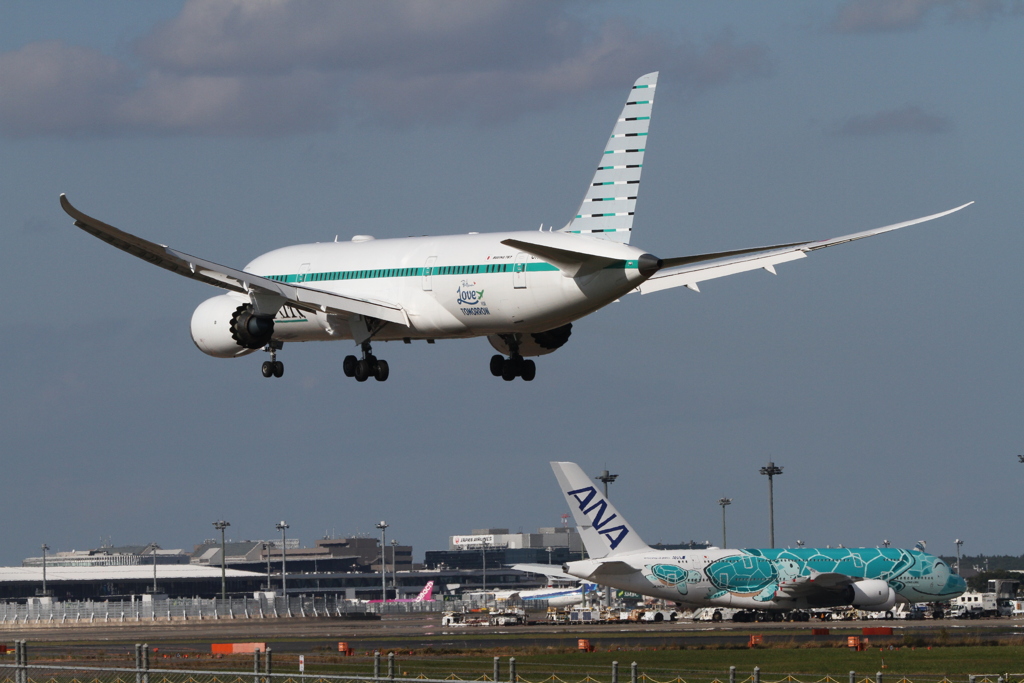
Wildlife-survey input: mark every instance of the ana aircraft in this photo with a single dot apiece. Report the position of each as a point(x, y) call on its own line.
point(554, 596)
point(872, 579)
point(520, 290)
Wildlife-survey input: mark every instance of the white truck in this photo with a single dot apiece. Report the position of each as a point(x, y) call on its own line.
point(973, 605)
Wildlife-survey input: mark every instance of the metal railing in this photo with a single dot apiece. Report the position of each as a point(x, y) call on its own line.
point(177, 609)
point(197, 609)
point(389, 670)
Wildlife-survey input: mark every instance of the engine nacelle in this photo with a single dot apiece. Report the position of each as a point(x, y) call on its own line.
point(535, 343)
point(872, 594)
point(226, 327)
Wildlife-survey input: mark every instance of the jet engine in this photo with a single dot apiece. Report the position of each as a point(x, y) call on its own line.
point(535, 343)
point(871, 594)
point(227, 327)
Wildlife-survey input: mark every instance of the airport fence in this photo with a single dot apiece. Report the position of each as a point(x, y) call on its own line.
point(177, 609)
point(258, 667)
point(503, 671)
point(198, 609)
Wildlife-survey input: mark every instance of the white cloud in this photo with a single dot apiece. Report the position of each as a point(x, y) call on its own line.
point(275, 67)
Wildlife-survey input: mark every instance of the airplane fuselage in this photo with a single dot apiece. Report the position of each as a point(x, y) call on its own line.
point(450, 286)
point(756, 579)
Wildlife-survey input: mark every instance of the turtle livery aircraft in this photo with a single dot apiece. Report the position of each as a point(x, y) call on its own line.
point(871, 579)
point(521, 290)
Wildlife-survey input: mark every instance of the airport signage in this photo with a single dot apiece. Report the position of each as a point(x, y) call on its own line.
point(473, 541)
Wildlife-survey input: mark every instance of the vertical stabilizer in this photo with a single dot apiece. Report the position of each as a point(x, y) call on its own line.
point(607, 209)
point(602, 528)
point(427, 593)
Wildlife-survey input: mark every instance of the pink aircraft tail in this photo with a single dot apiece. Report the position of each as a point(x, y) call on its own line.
point(426, 593)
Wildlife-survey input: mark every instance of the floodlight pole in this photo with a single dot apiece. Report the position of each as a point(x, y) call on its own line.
point(220, 526)
point(394, 566)
point(607, 478)
point(958, 544)
point(45, 548)
point(382, 525)
point(723, 502)
point(771, 470)
point(282, 526)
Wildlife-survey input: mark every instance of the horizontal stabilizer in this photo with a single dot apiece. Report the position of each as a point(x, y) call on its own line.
point(573, 255)
point(552, 570)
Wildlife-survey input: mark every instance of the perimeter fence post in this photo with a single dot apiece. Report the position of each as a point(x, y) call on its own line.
point(20, 660)
point(145, 663)
point(24, 661)
point(757, 674)
point(391, 666)
point(615, 671)
point(376, 665)
point(497, 668)
point(512, 678)
point(853, 677)
point(138, 662)
point(632, 673)
point(878, 677)
point(255, 666)
point(732, 674)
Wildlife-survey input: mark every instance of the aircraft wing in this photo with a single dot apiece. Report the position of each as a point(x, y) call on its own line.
point(211, 273)
point(687, 271)
point(818, 582)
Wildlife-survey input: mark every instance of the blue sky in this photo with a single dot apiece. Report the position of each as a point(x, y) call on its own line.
point(883, 375)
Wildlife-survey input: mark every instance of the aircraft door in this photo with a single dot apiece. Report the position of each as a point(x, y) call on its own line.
point(519, 271)
point(428, 270)
point(303, 272)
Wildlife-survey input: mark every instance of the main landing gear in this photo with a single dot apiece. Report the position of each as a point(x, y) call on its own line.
point(513, 366)
point(369, 366)
point(273, 367)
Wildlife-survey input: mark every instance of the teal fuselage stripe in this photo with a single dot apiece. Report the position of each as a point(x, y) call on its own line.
point(378, 273)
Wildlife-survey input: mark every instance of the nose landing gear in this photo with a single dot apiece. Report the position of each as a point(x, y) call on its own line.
point(273, 367)
point(368, 366)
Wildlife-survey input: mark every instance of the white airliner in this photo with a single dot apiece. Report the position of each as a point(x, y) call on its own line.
point(872, 579)
point(553, 596)
point(521, 290)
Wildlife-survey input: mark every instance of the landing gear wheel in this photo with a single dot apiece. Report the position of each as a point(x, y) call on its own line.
point(529, 371)
point(349, 366)
point(497, 365)
point(362, 372)
point(382, 371)
point(278, 369)
point(508, 370)
point(268, 368)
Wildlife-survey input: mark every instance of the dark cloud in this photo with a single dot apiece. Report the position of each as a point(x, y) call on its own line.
point(868, 16)
point(274, 68)
point(908, 119)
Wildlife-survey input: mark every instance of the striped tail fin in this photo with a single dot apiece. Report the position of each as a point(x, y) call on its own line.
point(607, 209)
